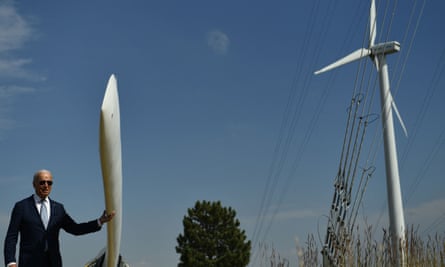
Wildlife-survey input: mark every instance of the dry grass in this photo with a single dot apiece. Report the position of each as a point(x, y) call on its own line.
point(271, 258)
point(363, 250)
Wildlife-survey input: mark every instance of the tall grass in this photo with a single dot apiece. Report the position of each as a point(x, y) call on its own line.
point(363, 250)
point(271, 258)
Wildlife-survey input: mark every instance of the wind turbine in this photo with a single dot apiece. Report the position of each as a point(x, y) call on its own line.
point(377, 53)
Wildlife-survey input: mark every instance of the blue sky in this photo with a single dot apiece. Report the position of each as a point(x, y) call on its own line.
point(205, 89)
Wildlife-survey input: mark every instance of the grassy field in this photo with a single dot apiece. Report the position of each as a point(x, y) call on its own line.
point(363, 250)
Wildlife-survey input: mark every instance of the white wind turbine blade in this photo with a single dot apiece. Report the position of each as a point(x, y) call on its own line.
point(375, 59)
point(356, 55)
point(393, 104)
point(111, 165)
point(372, 24)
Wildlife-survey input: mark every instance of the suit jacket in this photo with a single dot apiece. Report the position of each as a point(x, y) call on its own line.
point(25, 220)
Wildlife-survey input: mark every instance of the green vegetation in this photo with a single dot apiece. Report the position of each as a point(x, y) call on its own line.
point(212, 238)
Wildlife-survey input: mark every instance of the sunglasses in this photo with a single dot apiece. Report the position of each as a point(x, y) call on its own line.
point(49, 183)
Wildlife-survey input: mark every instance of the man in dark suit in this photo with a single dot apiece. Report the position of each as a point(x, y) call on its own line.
point(38, 220)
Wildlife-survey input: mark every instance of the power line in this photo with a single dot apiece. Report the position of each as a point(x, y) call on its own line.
point(286, 134)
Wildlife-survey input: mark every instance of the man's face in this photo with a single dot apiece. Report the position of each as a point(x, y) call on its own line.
point(42, 184)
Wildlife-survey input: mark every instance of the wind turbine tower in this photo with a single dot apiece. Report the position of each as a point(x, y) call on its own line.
point(377, 53)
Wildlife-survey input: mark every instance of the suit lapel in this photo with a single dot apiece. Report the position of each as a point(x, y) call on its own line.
point(53, 212)
point(32, 203)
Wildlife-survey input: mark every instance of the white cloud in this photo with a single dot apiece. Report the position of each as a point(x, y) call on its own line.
point(14, 68)
point(10, 91)
point(429, 215)
point(218, 41)
point(284, 215)
point(297, 214)
point(14, 30)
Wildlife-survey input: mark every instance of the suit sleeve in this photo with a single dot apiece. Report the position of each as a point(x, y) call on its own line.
point(74, 228)
point(10, 245)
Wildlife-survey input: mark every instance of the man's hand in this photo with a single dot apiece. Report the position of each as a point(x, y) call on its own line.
point(106, 217)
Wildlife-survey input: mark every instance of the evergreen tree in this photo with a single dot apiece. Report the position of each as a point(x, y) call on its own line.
point(212, 238)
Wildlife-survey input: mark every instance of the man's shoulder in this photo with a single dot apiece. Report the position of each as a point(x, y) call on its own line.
point(31, 200)
point(55, 203)
point(24, 203)
point(57, 207)
point(25, 200)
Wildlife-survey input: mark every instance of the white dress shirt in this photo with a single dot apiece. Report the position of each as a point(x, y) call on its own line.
point(39, 202)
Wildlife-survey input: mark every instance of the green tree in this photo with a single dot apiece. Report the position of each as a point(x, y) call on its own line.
point(212, 238)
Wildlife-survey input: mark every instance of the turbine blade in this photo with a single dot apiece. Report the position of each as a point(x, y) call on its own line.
point(393, 104)
point(375, 59)
point(356, 55)
point(372, 24)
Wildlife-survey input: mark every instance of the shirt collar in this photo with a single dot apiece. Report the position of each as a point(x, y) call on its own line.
point(37, 199)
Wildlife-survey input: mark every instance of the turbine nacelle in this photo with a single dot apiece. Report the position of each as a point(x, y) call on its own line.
point(385, 48)
point(373, 51)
